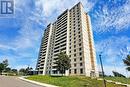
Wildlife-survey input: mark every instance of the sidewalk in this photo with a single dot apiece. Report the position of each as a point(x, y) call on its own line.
point(110, 81)
point(38, 83)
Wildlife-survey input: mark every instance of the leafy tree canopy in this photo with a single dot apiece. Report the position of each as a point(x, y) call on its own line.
point(63, 62)
point(127, 62)
point(1, 67)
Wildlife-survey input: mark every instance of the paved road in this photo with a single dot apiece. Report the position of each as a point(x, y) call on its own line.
point(7, 81)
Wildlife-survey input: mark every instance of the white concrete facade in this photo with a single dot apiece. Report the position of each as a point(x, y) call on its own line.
point(72, 34)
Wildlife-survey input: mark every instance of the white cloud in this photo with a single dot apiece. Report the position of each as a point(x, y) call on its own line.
point(112, 16)
point(28, 37)
point(6, 47)
point(24, 46)
point(47, 10)
point(117, 16)
point(30, 31)
point(52, 8)
point(21, 66)
point(31, 63)
point(114, 49)
point(121, 69)
point(113, 42)
point(108, 15)
point(11, 59)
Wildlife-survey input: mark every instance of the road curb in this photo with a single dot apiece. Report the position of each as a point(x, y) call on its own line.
point(38, 83)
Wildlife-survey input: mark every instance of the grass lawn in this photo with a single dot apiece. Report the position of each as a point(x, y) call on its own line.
point(119, 79)
point(71, 81)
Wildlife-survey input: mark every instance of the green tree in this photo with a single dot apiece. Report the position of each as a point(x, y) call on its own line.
point(5, 62)
point(117, 74)
point(1, 67)
point(14, 71)
point(63, 62)
point(127, 62)
point(22, 71)
point(28, 69)
point(8, 69)
point(25, 71)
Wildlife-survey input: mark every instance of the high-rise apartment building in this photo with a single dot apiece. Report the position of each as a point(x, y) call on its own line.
point(71, 33)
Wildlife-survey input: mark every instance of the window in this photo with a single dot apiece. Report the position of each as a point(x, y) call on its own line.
point(75, 71)
point(81, 64)
point(70, 71)
point(69, 55)
point(70, 47)
point(80, 44)
point(81, 71)
point(74, 41)
point(80, 54)
point(74, 46)
point(74, 64)
point(73, 15)
point(70, 51)
point(74, 50)
point(49, 72)
point(79, 40)
point(79, 49)
point(74, 60)
point(79, 36)
point(74, 55)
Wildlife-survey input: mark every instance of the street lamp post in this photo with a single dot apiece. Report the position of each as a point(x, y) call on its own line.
point(102, 70)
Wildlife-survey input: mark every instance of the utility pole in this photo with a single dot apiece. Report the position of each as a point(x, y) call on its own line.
point(102, 70)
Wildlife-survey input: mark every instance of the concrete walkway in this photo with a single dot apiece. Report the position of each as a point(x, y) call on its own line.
point(38, 83)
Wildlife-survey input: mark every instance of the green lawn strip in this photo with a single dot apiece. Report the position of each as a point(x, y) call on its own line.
point(70, 81)
point(119, 79)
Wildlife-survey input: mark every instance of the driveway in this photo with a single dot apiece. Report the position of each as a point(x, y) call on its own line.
point(10, 81)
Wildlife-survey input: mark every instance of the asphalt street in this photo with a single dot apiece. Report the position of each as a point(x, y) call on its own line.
point(10, 81)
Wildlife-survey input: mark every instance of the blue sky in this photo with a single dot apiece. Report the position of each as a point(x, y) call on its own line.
point(20, 36)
